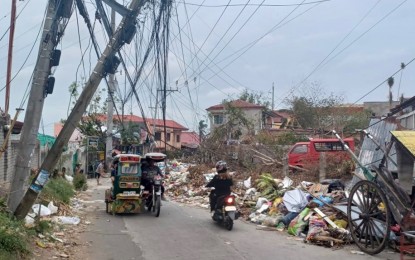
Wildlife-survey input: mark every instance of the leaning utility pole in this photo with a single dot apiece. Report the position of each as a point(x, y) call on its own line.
point(110, 106)
point(107, 63)
point(42, 84)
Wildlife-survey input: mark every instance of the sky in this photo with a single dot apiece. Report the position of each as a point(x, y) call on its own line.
point(218, 48)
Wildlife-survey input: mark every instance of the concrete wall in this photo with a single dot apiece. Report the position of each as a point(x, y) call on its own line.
point(7, 160)
point(379, 108)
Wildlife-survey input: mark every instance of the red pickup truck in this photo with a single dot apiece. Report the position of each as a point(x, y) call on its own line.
point(308, 153)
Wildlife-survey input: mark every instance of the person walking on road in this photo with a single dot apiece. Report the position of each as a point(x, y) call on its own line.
point(99, 171)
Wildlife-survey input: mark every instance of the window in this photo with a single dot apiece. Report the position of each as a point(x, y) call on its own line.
point(329, 146)
point(168, 137)
point(177, 138)
point(300, 149)
point(157, 136)
point(218, 119)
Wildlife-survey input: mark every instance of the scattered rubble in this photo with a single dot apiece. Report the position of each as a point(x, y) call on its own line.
point(304, 211)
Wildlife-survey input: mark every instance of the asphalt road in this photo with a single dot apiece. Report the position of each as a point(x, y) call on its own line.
point(187, 233)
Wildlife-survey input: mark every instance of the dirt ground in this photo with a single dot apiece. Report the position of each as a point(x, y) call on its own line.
point(65, 242)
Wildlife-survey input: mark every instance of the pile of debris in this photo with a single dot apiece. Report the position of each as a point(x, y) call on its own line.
point(305, 211)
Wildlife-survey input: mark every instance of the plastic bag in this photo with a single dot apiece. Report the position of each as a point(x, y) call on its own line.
point(272, 221)
point(44, 211)
point(298, 224)
point(53, 208)
point(260, 202)
point(67, 220)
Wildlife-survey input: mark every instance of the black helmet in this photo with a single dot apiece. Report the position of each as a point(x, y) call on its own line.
point(221, 167)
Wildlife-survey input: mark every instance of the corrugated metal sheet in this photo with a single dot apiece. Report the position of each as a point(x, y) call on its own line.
point(407, 139)
point(369, 155)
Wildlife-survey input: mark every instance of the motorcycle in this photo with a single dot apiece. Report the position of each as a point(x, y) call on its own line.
point(152, 197)
point(225, 212)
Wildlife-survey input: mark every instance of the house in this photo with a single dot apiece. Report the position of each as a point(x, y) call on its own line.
point(278, 119)
point(407, 115)
point(220, 115)
point(140, 127)
point(190, 140)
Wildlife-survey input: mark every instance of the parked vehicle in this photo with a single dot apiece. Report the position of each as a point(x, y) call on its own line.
point(303, 154)
point(225, 212)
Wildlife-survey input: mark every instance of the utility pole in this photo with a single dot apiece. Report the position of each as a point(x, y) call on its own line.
point(10, 56)
point(42, 84)
point(273, 96)
point(107, 63)
point(110, 106)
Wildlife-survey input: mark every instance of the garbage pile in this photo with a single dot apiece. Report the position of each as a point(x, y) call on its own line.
point(305, 211)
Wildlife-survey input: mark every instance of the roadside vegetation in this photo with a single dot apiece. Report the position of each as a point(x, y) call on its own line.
point(14, 237)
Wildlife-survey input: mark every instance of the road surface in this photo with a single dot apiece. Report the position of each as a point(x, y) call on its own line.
point(187, 233)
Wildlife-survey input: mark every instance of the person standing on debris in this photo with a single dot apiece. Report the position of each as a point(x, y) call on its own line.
point(148, 171)
point(222, 183)
point(99, 171)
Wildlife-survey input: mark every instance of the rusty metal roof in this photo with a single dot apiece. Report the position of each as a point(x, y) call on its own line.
point(369, 154)
point(407, 139)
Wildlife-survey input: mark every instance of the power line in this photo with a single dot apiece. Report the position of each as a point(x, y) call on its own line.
point(266, 5)
point(15, 19)
point(383, 82)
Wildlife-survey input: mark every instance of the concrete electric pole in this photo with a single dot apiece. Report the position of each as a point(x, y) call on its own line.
point(42, 84)
point(106, 64)
point(110, 106)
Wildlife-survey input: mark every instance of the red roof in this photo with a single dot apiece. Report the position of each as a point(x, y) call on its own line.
point(189, 138)
point(136, 119)
point(236, 103)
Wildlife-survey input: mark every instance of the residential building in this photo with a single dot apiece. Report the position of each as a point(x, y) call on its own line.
point(218, 115)
point(140, 125)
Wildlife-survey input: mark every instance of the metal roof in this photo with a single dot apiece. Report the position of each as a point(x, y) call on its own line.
point(369, 154)
point(407, 139)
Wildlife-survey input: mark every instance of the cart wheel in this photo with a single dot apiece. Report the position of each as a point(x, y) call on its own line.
point(369, 217)
point(158, 205)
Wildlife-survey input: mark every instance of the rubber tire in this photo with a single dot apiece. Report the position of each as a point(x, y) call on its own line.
point(228, 223)
point(158, 206)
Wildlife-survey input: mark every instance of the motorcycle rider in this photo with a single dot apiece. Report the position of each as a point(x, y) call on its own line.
point(148, 171)
point(222, 183)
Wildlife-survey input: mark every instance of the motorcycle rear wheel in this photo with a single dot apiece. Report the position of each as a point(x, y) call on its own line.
point(228, 223)
point(158, 206)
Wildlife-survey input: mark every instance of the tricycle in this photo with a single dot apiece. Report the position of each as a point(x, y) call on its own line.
point(127, 194)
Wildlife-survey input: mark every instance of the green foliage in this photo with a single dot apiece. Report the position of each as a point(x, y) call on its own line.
point(79, 182)
point(58, 190)
point(268, 187)
point(43, 227)
point(254, 98)
point(290, 138)
point(13, 238)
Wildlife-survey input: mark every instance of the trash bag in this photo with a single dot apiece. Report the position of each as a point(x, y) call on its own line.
point(321, 200)
point(272, 221)
point(44, 211)
point(53, 208)
point(295, 200)
point(260, 202)
point(298, 224)
point(335, 185)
